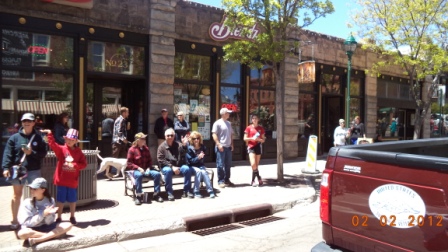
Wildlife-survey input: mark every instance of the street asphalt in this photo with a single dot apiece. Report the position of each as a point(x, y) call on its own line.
point(114, 217)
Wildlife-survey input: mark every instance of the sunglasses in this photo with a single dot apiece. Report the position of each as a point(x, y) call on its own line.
point(195, 138)
point(27, 121)
point(169, 135)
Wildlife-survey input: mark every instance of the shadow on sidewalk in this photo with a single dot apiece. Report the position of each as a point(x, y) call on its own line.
point(97, 205)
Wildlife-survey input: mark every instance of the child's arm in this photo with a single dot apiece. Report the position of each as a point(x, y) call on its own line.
point(52, 143)
point(26, 216)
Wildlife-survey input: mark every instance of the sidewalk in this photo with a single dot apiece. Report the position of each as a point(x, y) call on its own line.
point(114, 217)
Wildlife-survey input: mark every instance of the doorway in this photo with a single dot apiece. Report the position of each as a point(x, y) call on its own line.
point(331, 113)
point(104, 98)
point(405, 124)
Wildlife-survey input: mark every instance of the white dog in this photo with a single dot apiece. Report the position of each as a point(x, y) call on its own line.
point(106, 163)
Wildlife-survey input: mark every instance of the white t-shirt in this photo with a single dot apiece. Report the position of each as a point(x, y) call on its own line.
point(223, 129)
point(340, 135)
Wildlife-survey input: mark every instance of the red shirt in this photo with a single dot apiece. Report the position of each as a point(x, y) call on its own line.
point(139, 158)
point(251, 131)
point(65, 175)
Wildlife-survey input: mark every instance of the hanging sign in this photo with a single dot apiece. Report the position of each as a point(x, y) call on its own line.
point(306, 72)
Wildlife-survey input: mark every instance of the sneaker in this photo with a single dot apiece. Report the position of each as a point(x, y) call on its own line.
point(190, 195)
point(222, 185)
point(253, 183)
point(73, 221)
point(14, 226)
point(198, 195)
point(137, 201)
point(31, 241)
point(170, 197)
point(260, 181)
point(58, 220)
point(184, 195)
point(212, 195)
point(157, 198)
point(229, 183)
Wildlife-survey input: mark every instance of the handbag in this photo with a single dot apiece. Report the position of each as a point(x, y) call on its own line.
point(19, 171)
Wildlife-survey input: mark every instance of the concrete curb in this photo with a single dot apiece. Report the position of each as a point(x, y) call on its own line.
point(116, 233)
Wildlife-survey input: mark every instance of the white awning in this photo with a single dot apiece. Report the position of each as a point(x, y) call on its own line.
point(7, 104)
point(43, 107)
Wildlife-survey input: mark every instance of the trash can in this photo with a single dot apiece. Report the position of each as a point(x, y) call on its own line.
point(87, 177)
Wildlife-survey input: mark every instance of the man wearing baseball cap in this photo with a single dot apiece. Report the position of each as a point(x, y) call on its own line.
point(27, 148)
point(341, 133)
point(222, 135)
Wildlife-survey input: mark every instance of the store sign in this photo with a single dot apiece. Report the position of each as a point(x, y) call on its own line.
point(221, 32)
point(85, 4)
point(38, 50)
point(15, 52)
point(230, 106)
point(306, 72)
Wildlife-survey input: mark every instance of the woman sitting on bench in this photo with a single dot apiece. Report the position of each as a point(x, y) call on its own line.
point(195, 158)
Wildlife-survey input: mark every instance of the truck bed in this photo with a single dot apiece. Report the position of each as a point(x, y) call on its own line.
point(388, 196)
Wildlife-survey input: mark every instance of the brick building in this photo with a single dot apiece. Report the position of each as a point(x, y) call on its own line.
point(93, 56)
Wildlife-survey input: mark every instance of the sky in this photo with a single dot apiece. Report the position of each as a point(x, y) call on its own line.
point(334, 24)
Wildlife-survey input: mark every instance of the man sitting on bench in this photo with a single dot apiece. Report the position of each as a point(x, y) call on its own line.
point(171, 158)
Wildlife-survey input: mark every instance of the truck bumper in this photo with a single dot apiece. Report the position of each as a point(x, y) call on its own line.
point(323, 247)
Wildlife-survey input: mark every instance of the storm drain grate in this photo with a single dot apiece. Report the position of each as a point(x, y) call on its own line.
point(218, 229)
point(261, 220)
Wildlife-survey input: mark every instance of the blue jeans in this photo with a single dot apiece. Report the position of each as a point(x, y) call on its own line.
point(201, 175)
point(168, 173)
point(138, 176)
point(223, 164)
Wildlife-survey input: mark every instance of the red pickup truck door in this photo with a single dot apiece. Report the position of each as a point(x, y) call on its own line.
point(379, 206)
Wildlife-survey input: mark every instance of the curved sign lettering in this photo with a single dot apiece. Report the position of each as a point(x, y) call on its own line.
point(221, 32)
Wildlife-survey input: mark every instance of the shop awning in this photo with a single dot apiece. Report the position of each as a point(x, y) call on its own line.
point(42, 107)
point(7, 104)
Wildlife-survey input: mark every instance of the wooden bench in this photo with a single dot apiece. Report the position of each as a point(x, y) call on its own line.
point(129, 184)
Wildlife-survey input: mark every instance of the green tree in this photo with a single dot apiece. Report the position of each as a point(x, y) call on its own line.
point(278, 20)
point(411, 34)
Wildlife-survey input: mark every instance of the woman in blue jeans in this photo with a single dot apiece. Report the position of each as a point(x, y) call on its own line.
point(195, 158)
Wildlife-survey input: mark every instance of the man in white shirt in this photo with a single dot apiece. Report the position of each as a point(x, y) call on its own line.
point(222, 135)
point(341, 133)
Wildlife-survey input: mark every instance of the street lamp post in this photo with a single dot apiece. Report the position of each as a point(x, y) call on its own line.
point(350, 47)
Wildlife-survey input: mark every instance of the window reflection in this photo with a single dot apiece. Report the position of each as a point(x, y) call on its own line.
point(262, 97)
point(331, 84)
point(306, 111)
point(230, 72)
point(192, 67)
point(231, 99)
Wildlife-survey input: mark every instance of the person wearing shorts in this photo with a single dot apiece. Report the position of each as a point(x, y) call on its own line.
point(71, 161)
point(26, 144)
point(254, 135)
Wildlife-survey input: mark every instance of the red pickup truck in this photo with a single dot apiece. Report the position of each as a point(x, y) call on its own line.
point(389, 196)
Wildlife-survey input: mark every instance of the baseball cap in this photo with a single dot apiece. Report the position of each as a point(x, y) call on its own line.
point(139, 135)
point(38, 183)
point(27, 116)
point(164, 110)
point(72, 134)
point(180, 113)
point(225, 110)
point(341, 121)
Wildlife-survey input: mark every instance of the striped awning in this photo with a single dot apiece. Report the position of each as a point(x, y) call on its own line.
point(7, 104)
point(43, 107)
point(111, 108)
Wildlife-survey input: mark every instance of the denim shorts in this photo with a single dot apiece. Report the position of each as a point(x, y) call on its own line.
point(66, 194)
point(32, 175)
point(45, 228)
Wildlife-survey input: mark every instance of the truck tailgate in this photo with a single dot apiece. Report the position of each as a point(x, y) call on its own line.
point(385, 207)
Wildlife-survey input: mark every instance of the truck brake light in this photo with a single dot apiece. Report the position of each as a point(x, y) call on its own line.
point(325, 186)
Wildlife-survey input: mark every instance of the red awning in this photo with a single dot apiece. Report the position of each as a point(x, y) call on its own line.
point(43, 107)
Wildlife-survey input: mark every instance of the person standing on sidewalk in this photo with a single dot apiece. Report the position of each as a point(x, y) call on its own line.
point(26, 147)
point(37, 215)
point(341, 133)
point(181, 127)
point(120, 134)
point(358, 130)
point(171, 158)
point(195, 158)
point(162, 123)
point(254, 135)
point(71, 161)
point(223, 136)
point(139, 159)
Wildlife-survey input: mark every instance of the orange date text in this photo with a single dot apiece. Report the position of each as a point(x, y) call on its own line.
point(391, 220)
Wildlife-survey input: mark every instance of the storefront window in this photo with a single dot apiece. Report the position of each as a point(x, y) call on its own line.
point(47, 95)
point(262, 98)
point(306, 112)
point(27, 49)
point(231, 72)
point(115, 58)
point(331, 84)
point(192, 67)
point(231, 99)
point(194, 101)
